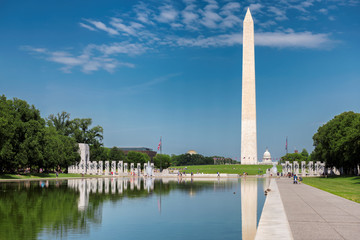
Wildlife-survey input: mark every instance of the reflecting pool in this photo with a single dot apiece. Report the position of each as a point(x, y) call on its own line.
point(131, 208)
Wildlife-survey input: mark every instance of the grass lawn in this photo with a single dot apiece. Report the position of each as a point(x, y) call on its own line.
point(346, 187)
point(39, 175)
point(233, 169)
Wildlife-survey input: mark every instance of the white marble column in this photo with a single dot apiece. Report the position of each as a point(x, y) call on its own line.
point(126, 168)
point(113, 167)
point(145, 165)
point(107, 167)
point(311, 168)
point(132, 168)
point(100, 168)
point(303, 168)
point(296, 167)
point(120, 167)
point(152, 169)
point(138, 169)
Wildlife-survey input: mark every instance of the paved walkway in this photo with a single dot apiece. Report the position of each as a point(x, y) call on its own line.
point(316, 214)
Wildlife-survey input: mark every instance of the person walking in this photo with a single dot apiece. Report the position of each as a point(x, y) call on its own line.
point(295, 179)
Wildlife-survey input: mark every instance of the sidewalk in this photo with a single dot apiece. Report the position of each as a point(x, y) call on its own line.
point(316, 214)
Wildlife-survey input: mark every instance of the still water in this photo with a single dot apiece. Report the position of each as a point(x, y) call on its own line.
point(131, 208)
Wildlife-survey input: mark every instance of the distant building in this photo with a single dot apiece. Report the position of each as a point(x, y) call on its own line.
point(266, 157)
point(191, 152)
point(145, 150)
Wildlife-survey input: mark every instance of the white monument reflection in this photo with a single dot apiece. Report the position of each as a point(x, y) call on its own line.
point(106, 185)
point(249, 188)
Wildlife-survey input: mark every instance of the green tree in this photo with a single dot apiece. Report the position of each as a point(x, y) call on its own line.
point(59, 150)
point(61, 122)
point(191, 159)
point(21, 129)
point(338, 142)
point(305, 153)
point(292, 157)
point(137, 157)
point(79, 129)
point(115, 154)
point(162, 161)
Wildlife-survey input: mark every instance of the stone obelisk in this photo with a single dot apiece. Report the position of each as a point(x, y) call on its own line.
point(248, 108)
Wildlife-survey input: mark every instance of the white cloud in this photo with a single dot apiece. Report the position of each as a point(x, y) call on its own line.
point(323, 11)
point(131, 49)
point(209, 17)
point(287, 39)
point(143, 13)
point(190, 16)
point(292, 39)
point(255, 7)
point(103, 27)
point(167, 14)
point(231, 21)
point(127, 29)
point(205, 42)
point(267, 23)
point(280, 14)
point(93, 57)
point(230, 8)
point(87, 26)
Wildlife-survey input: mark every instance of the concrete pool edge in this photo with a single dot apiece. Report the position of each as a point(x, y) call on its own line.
point(273, 222)
point(196, 176)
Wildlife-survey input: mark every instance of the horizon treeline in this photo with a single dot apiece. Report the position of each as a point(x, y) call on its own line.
point(29, 142)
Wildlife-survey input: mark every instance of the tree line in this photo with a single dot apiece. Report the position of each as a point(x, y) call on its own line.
point(30, 142)
point(296, 157)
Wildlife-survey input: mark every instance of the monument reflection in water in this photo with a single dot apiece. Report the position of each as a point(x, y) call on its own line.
point(133, 208)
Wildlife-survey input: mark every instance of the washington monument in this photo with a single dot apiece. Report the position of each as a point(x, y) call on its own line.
point(248, 108)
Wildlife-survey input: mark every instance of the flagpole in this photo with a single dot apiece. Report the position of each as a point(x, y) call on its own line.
point(160, 157)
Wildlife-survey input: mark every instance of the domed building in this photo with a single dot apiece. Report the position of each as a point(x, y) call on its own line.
point(267, 157)
point(191, 152)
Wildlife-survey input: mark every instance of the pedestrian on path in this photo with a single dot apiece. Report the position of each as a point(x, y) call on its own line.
point(295, 179)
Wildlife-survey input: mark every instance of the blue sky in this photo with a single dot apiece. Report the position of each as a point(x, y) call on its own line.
point(145, 69)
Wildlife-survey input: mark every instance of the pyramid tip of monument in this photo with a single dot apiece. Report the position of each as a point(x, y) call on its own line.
point(248, 16)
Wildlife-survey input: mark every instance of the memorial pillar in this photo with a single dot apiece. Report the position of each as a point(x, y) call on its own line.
point(145, 166)
point(126, 168)
point(138, 169)
point(296, 168)
point(132, 168)
point(303, 168)
point(106, 167)
point(152, 169)
point(100, 168)
point(311, 169)
point(120, 167)
point(113, 167)
point(316, 169)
